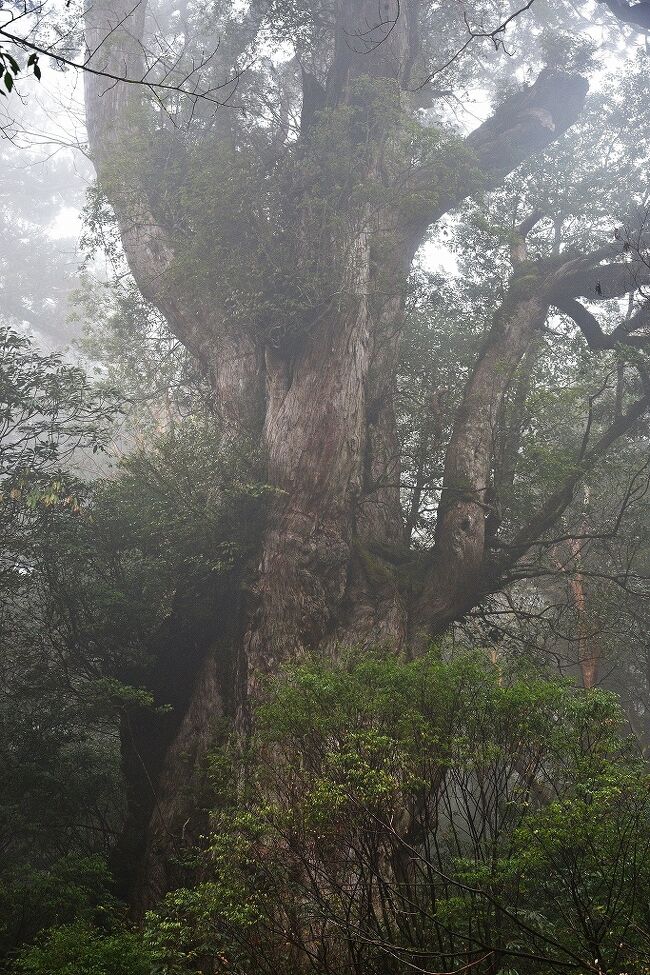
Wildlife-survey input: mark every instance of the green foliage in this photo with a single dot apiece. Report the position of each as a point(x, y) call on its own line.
point(89, 573)
point(10, 69)
point(159, 380)
point(544, 859)
point(567, 50)
point(50, 413)
point(77, 949)
point(60, 796)
point(189, 506)
point(48, 409)
point(73, 888)
point(484, 811)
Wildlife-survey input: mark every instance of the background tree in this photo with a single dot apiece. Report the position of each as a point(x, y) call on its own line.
point(60, 771)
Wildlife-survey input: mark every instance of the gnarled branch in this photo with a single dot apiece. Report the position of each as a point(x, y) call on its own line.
point(593, 333)
point(558, 502)
point(524, 124)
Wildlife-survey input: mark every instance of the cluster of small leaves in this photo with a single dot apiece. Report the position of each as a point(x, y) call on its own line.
point(87, 574)
point(80, 949)
point(189, 504)
point(10, 69)
point(50, 413)
point(73, 887)
point(48, 409)
point(485, 811)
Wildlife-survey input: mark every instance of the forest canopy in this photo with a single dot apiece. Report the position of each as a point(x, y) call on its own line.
point(324, 469)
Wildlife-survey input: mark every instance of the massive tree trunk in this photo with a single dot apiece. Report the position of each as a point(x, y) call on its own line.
point(321, 406)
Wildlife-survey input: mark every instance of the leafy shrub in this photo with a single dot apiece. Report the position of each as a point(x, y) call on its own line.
point(423, 813)
point(72, 888)
point(77, 949)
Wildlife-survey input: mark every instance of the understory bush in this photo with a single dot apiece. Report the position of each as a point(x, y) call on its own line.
point(391, 816)
point(421, 816)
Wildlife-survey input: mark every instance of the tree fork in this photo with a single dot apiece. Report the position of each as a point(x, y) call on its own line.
point(324, 409)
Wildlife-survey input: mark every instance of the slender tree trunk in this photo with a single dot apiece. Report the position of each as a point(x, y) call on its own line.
point(586, 639)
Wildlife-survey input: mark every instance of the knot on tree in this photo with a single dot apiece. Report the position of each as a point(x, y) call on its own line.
point(544, 117)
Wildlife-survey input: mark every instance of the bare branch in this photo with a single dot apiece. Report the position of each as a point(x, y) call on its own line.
point(156, 88)
point(593, 333)
point(557, 503)
point(496, 35)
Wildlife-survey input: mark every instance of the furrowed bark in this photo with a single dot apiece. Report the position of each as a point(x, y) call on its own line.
point(116, 114)
point(329, 429)
point(508, 443)
point(323, 409)
point(371, 39)
point(316, 438)
point(588, 652)
point(453, 580)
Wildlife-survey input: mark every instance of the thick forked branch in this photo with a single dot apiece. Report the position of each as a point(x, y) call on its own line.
point(451, 589)
point(524, 124)
point(593, 333)
point(114, 38)
point(114, 32)
point(460, 532)
point(460, 568)
point(114, 41)
point(586, 278)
